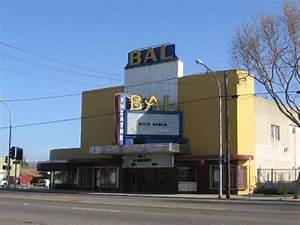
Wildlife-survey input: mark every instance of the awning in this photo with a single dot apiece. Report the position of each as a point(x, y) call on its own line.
point(57, 165)
point(152, 148)
point(211, 157)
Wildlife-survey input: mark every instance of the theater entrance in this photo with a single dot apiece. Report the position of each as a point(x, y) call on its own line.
point(148, 180)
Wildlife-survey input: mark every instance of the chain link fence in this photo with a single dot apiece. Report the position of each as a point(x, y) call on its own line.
point(277, 175)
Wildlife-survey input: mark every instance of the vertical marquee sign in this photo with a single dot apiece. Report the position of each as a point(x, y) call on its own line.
point(121, 104)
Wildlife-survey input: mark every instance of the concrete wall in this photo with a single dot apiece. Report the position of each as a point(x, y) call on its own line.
point(271, 153)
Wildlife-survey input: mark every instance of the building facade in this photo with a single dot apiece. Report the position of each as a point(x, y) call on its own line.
point(14, 170)
point(159, 133)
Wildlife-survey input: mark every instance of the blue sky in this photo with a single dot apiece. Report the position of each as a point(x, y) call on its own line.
point(96, 36)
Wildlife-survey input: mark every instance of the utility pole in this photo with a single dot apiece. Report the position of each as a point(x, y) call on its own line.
point(9, 141)
point(15, 179)
point(227, 151)
point(220, 157)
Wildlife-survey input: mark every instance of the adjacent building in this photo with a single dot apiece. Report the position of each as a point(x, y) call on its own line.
point(159, 133)
point(14, 170)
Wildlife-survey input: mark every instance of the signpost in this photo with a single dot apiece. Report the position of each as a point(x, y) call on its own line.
point(17, 154)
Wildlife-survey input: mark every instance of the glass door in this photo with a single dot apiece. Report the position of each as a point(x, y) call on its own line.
point(97, 179)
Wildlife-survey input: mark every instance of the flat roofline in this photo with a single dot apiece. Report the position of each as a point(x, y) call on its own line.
point(103, 89)
point(151, 46)
point(207, 73)
point(65, 149)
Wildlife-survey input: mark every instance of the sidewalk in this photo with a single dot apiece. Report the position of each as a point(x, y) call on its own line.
point(204, 197)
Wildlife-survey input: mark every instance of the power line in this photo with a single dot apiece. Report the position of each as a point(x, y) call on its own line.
point(97, 115)
point(58, 121)
point(53, 59)
point(82, 82)
point(266, 93)
point(43, 97)
point(99, 90)
point(46, 77)
point(53, 68)
point(112, 113)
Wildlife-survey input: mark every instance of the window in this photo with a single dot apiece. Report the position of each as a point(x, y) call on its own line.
point(85, 176)
point(109, 177)
point(242, 177)
point(186, 174)
point(238, 177)
point(275, 132)
point(65, 177)
point(81, 176)
point(215, 177)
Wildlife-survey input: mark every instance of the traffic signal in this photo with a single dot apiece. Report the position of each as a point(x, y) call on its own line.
point(19, 154)
point(12, 152)
point(6, 159)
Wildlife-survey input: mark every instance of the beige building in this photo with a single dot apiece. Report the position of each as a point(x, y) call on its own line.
point(277, 138)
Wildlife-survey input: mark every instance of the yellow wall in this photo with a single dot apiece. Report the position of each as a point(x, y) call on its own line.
point(245, 115)
point(251, 177)
point(199, 102)
point(246, 126)
point(97, 125)
point(200, 105)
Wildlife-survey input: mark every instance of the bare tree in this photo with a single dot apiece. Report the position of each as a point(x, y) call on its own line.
point(269, 49)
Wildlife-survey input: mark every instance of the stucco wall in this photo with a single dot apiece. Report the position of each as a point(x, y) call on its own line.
point(97, 125)
point(245, 117)
point(198, 99)
point(270, 153)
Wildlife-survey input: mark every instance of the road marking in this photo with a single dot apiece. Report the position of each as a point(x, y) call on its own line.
point(98, 210)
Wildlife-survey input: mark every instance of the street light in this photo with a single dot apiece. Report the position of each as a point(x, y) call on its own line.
point(9, 140)
point(200, 62)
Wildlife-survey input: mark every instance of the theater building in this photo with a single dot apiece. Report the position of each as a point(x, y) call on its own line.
point(159, 133)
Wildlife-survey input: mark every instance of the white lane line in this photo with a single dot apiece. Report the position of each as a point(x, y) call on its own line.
point(98, 210)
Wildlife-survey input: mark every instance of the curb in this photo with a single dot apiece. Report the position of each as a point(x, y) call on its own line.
point(199, 197)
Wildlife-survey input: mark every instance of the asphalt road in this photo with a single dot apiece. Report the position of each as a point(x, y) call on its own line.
point(18, 208)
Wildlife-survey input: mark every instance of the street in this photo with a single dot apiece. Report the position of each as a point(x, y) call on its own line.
point(19, 208)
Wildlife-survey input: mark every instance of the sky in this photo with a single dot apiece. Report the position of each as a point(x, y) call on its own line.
point(63, 47)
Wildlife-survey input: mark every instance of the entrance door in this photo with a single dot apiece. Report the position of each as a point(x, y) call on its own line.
point(147, 180)
point(97, 179)
point(133, 181)
point(164, 181)
point(140, 180)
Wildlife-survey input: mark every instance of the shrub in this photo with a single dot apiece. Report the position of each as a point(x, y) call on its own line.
point(272, 190)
